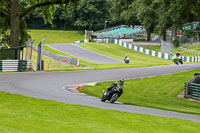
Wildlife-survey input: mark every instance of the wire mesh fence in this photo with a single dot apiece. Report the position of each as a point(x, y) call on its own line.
point(51, 61)
point(166, 47)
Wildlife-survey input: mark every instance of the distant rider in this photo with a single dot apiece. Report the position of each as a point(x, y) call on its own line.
point(174, 59)
point(179, 57)
point(126, 59)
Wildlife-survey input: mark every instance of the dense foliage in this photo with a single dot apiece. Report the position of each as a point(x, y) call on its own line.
point(88, 14)
point(154, 15)
point(12, 13)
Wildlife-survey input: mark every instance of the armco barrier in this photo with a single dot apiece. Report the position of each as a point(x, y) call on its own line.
point(15, 65)
point(9, 65)
point(155, 53)
point(195, 91)
point(25, 65)
point(192, 87)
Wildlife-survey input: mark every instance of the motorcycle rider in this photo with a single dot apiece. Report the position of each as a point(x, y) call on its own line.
point(126, 59)
point(179, 57)
point(174, 59)
point(113, 92)
point(119, 84)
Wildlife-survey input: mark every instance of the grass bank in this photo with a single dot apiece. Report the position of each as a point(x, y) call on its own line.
point(59, 37)
point(23, 114)
point(156, 92)
point(112, 50)
point(56, 36)
point(119, 52)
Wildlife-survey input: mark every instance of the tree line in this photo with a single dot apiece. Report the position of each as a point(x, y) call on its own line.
point(154, 15)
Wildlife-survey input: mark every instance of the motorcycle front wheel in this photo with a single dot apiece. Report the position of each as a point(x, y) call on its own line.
point(114, 97)
point(103, 99)
point(176, 61)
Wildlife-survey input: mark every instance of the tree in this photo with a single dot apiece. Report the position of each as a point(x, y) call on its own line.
point(91, 14)
point(145, 11)
point(12, 15)
point(173, 15)
point(122, 12)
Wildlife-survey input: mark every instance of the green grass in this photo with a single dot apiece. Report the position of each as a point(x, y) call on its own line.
point(136, 59)
point(56, 36)
point(156, 92)
point(82, 63)
point(119, 52)
point(29, 115)
point(49, 63)
point(112, 50)
point(59, 36)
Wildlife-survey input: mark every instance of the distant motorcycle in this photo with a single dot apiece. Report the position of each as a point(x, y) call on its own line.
point(111, 95)
point(177, 60)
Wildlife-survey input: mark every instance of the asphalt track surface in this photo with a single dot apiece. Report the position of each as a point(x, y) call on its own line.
point(54, 86)
point(81, 53)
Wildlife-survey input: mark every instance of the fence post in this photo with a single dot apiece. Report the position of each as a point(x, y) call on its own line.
point(39, 59)
point(187, 90)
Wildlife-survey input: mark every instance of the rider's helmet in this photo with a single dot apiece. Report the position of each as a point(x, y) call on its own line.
point(121, 81)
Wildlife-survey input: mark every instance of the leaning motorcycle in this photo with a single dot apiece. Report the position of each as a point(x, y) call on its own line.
point(111, 95)
point(174, 59)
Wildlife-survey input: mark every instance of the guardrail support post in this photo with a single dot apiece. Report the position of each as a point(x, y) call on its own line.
point(39, 59)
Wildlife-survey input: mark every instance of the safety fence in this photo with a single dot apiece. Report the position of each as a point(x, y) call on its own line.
point(60, 58)
point(15, 65)
point(192, 88)
point(155, 53)
point(189, 50)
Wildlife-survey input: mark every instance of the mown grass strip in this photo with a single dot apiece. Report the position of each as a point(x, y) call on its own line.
point(56, 36)
point(23, 114)
point(156, 92)
point(119, 52)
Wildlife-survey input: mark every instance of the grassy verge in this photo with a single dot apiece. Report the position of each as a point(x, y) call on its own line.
point(23, 114)
point(82, 63)
point(49, 63)
point(112, 50)
point(155, 92)
point(115, 51)
point(56, 36)
point(119, 52)
point(59, 36)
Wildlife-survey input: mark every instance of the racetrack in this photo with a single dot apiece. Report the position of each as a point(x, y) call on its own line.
point(84, 54)
point(52, 86)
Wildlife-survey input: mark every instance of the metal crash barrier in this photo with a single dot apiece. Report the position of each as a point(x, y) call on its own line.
point(192, 87)
point(15, 65)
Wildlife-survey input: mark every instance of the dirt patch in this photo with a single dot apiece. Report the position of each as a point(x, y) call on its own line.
point(181, 95)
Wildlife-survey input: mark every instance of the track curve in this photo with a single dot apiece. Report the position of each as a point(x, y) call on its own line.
point(85, 54)
point(51, 86)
